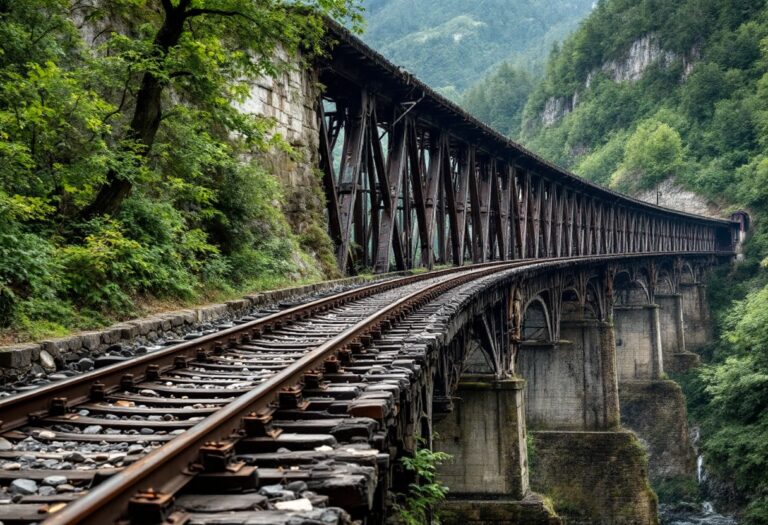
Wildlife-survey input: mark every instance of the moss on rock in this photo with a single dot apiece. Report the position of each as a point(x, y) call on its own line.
point(595, 477)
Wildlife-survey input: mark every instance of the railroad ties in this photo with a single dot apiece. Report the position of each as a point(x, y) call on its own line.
point(320, 449)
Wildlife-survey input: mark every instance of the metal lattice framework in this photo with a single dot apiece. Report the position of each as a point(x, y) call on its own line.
point(411, 180)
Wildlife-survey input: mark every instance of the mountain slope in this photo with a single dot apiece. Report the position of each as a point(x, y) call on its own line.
point(666, 96)
point(451, 44)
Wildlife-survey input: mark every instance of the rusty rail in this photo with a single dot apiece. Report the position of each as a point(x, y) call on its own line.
point(16, 410)
point(167, 469)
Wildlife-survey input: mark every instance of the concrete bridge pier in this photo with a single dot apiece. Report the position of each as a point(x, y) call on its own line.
point(593, 471)
point(673, 337)
point(697, 319)
point(651, 340)
point(638, 342)
point(571, 383)
point(488, 475)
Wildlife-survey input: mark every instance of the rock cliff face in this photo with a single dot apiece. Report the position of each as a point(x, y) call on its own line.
point(556, 108)
point(594, 477)
point(642, 54)
point(656, 411)
point(671, 195)
point(290, 101)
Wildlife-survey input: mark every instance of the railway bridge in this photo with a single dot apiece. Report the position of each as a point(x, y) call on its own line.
point(559, 290)
point(613, 292)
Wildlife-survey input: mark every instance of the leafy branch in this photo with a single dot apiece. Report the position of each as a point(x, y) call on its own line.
point(426, 492)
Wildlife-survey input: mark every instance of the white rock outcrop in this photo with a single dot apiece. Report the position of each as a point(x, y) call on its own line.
point(643, 53)
point(672, 195)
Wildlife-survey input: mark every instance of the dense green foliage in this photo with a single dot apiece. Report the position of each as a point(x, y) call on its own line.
point(418, 506)
point(698, 114)
point(451, 44)
point(158, 117)
point(499, 99)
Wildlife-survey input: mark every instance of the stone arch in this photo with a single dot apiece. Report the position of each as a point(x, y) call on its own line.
point(687, 274)
point(576, 306)
point(537, 320)
point(631, 288)
point(664, 283)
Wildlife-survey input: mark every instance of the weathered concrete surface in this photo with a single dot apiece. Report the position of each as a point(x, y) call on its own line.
point(671, 321)
point(572, 385)
point(656, 411)
point(486, 436)
point(594, 477)
point(488, 475)
point(533, 510)
point(677, 358)
point(697, 317)
point(638, 342)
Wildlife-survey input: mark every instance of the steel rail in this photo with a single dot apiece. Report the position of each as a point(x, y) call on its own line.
point(15, 411)
point(167, 469)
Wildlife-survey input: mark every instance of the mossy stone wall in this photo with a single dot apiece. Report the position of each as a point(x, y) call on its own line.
point(594, 477)
point(656, 411)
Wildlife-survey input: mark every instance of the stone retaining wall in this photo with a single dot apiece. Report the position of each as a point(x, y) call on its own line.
point(52, 354)
point(594, 477)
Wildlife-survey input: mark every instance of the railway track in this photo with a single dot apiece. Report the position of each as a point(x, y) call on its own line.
point(275, 418)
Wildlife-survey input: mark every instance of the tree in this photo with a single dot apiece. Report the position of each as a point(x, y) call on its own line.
point(122, 147)
point(653, 153)
point(207, 50)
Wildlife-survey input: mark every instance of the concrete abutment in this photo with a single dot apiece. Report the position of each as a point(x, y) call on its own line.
point(488, 475)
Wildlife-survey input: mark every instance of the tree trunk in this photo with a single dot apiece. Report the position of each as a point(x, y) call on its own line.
point(146, 118)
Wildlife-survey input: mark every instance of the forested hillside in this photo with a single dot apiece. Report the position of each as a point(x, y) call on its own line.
point(656, 90)
point(451, 44)
point(122, 184)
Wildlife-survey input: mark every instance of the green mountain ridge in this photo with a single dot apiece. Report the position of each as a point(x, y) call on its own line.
point(452, 44)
